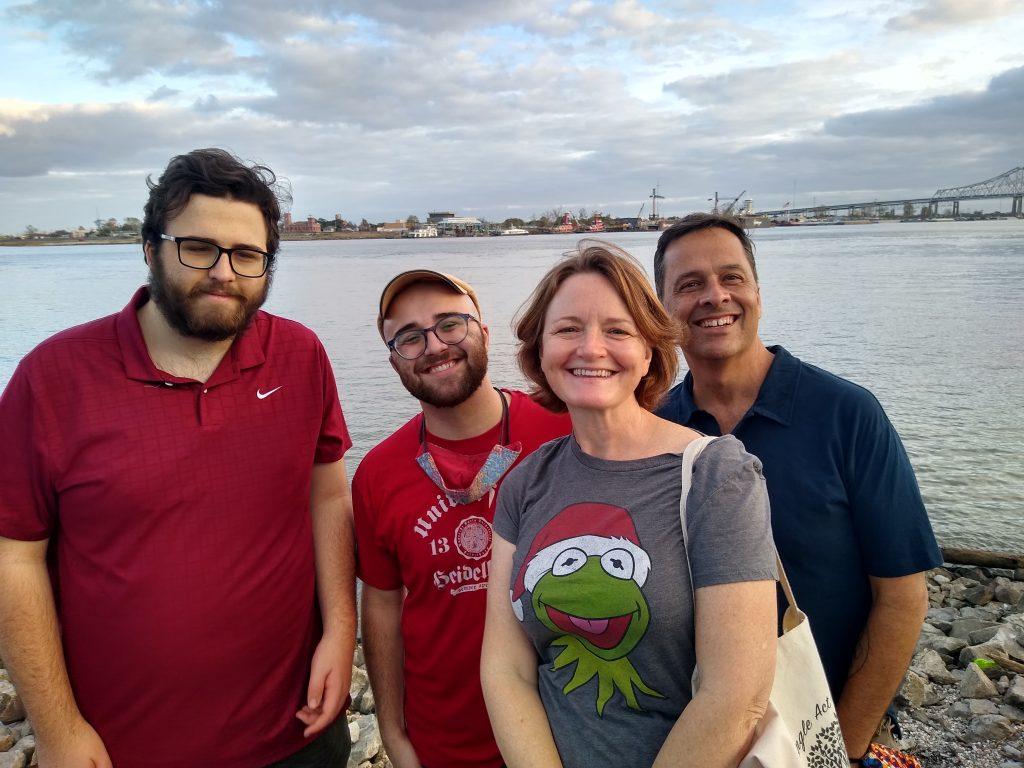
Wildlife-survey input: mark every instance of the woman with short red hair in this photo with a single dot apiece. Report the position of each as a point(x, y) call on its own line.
point(599, 608)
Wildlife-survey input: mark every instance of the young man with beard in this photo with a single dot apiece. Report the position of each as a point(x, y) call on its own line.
point(179, 467)
point(424, 502)
point(847, 514)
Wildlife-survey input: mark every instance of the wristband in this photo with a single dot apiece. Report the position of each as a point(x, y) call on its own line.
point(866, 761)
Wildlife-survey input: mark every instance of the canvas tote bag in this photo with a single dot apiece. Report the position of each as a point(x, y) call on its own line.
point(800, 728)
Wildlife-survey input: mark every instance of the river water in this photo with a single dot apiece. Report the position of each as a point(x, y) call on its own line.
point(929, 317)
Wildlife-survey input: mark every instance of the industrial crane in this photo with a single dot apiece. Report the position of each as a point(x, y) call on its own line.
point(655, 196)
point(728, 209)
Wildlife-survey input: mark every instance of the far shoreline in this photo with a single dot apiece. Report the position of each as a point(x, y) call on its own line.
point(307, 237)
point(291, 237)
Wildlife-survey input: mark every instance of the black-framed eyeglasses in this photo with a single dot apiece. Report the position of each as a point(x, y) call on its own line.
point(202, 254)
point(451, 329)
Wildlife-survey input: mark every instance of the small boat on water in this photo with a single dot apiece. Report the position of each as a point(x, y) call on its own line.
point(567, 226)
point(514, 231)
point(571, 224)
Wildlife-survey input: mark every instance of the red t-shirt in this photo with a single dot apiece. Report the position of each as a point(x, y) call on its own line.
point(181, 540)
point(409, 536)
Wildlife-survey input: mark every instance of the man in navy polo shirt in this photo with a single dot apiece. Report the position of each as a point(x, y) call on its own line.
point(179, 467)
point(847, 514)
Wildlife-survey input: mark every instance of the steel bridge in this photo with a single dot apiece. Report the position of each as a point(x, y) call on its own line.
point(1005, 185)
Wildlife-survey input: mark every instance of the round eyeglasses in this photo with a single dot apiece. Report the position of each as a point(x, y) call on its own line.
point(202, 254)
point(451, 329)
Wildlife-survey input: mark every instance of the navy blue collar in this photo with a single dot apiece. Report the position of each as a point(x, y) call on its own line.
point(775, 400)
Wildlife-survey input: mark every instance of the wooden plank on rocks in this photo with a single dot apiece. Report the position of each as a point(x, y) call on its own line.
point(1006, 662)
point(981, 557)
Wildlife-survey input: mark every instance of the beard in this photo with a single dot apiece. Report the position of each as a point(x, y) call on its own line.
point(178, 306)
point(450, 393)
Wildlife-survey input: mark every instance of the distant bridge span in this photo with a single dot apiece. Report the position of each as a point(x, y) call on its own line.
point(1005, 185)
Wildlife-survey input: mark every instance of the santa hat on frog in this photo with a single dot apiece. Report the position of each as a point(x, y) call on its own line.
point(577, 532)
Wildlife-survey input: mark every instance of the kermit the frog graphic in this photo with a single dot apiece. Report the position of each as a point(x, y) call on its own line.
point(585, 571)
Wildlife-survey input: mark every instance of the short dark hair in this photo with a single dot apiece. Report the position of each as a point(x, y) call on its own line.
point(217, 173)
point(695, 222)
point(659, 331)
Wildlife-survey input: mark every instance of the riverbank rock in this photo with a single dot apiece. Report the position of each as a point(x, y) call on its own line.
point(358, 688)
point(915, 690)
point(930, 664)
point(976, 685)
point(1013, 714)
point(947, 646)
point(11, 708)
point(968, 709)
point(964, 628)
point(974, 671)
point(941, 618)
point(27, 746)
point(989, 728)
point(1009, 592)
point(20, 754)
point(1015, 692)
point(368, 745)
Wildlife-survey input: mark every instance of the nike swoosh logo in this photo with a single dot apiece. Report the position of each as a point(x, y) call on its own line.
point(264, 395)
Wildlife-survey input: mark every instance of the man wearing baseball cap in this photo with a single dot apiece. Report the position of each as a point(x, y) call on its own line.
point(424, 501)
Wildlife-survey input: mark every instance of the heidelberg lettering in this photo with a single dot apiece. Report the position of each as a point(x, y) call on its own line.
point(463, 574)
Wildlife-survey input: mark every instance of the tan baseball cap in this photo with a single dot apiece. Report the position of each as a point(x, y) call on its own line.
point(402, 281)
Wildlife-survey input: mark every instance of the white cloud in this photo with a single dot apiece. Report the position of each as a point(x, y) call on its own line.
point(392, 107)
point(942, 14)
point(776, 100)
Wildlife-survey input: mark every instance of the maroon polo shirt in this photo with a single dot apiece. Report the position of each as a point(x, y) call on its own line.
point(181, 539)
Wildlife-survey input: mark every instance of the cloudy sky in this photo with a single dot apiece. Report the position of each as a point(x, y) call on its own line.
point(382, 108)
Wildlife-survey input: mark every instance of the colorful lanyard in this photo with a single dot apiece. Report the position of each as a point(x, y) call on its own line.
point(499, 461)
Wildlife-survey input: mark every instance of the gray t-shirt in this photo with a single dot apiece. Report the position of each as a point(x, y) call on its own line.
point(600, 584)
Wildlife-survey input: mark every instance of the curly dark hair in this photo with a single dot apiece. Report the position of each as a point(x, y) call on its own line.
point(217, 173)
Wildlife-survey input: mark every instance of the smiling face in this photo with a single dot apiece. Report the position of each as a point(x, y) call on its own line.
point(445, 375)
point(710, 289)
point(592, 355)
point(595, 599)
point(210, 304)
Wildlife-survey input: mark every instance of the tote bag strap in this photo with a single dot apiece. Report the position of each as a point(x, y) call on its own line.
point(690, 454)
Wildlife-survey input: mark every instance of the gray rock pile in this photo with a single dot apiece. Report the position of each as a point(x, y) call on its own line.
point(367, 748)
point(963, 698)
point(17, 744)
